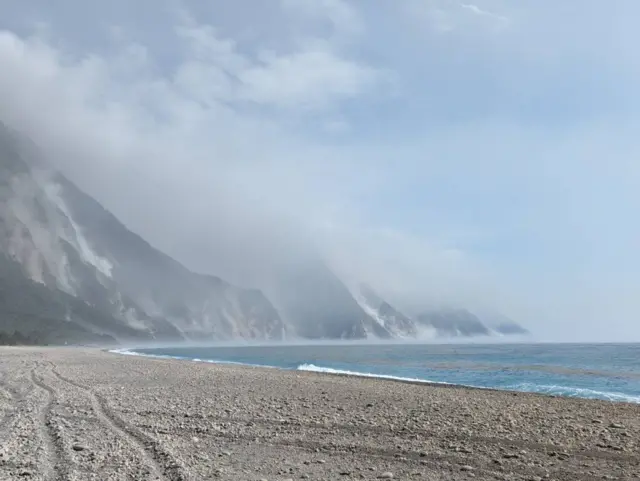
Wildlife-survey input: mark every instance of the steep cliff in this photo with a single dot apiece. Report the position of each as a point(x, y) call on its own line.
point(62, 239)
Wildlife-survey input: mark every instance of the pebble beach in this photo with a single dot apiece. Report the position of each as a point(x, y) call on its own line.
point(83, 414)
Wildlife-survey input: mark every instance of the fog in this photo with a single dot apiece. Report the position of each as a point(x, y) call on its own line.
point(480, 155)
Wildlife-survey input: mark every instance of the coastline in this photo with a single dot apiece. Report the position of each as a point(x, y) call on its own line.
point(99, 415)
point(612, 396)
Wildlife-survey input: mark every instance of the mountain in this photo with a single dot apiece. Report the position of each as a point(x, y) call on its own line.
point(393, 321)
point(322, 307)
point(434, 322)
point(507, 327)
point(71, 261)
point(453, 322)
point(70, 271)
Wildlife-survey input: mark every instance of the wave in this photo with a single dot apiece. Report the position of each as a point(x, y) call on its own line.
point(329, 370)
point(128, 352)
point(552, 390)
point(569, 391)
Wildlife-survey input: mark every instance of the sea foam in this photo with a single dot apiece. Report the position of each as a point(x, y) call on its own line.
point(329, 370)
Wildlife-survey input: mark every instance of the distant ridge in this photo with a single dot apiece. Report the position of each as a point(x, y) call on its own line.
point(70, 271)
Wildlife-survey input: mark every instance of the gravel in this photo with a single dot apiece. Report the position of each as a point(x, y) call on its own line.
point(82, 414)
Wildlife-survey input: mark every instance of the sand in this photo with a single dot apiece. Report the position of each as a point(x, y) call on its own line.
point(81, 414)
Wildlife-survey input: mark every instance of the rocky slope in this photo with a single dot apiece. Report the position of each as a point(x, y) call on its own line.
point(71, 271)
point(58, 238)
point(434, 322)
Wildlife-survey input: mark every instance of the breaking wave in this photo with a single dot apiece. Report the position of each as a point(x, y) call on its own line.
point(329, 370)
point(568, 391)
point(399, 364)
point(564, 391)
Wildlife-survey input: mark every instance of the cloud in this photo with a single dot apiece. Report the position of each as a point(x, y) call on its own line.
point(343, 17)
point(192, 142)
point(491, 166)
point(450, 16)
point(313, 75)
point(484, 13)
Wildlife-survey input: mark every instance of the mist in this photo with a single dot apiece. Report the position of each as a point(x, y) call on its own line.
point(477, 160)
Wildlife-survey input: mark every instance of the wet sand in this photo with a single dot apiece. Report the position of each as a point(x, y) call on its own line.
point(81, 414)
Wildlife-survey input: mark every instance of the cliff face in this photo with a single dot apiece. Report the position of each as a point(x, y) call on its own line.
point(435, 322)
point(322, 307)
point(62, 239)
point(70, 270)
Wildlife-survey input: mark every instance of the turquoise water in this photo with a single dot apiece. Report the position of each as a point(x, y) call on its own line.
point(598, 371)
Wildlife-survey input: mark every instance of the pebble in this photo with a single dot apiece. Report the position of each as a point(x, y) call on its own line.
point(386, 475)
point(466, 468)
point(79, 447)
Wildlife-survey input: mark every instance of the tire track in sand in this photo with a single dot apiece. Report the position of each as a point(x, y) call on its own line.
point(55, 469)
point(161, 462)
point(6, 421)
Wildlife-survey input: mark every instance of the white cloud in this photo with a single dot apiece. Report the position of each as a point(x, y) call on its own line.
point(313, 76)
point(343, 17)
point(501, 173)
point(224, 178)
point(310, 79)
point(445, 16)
point(484, 13)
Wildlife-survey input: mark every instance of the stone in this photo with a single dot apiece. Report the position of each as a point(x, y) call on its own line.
point(386, 475)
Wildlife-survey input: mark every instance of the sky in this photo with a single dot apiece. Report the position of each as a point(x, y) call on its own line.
point(478, 153)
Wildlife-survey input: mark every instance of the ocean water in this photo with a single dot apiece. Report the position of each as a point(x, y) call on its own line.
point(597, 371)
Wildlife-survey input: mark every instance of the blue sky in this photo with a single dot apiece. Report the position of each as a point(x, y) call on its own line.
point(482, 153)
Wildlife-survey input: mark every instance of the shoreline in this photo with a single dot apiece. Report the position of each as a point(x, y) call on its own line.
point(355, 374)
point(80, 413)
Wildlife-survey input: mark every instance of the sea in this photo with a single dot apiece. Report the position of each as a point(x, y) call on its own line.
point(595, 371)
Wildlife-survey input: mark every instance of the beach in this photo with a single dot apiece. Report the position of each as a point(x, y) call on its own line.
point(81, 414)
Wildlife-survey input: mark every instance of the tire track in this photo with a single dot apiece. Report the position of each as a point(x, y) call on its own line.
point(436, 461)
point(55, 469)
point(425, 434)
point(6, 422)
point(14, 399)
point(10, 399)
point(161, 462)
